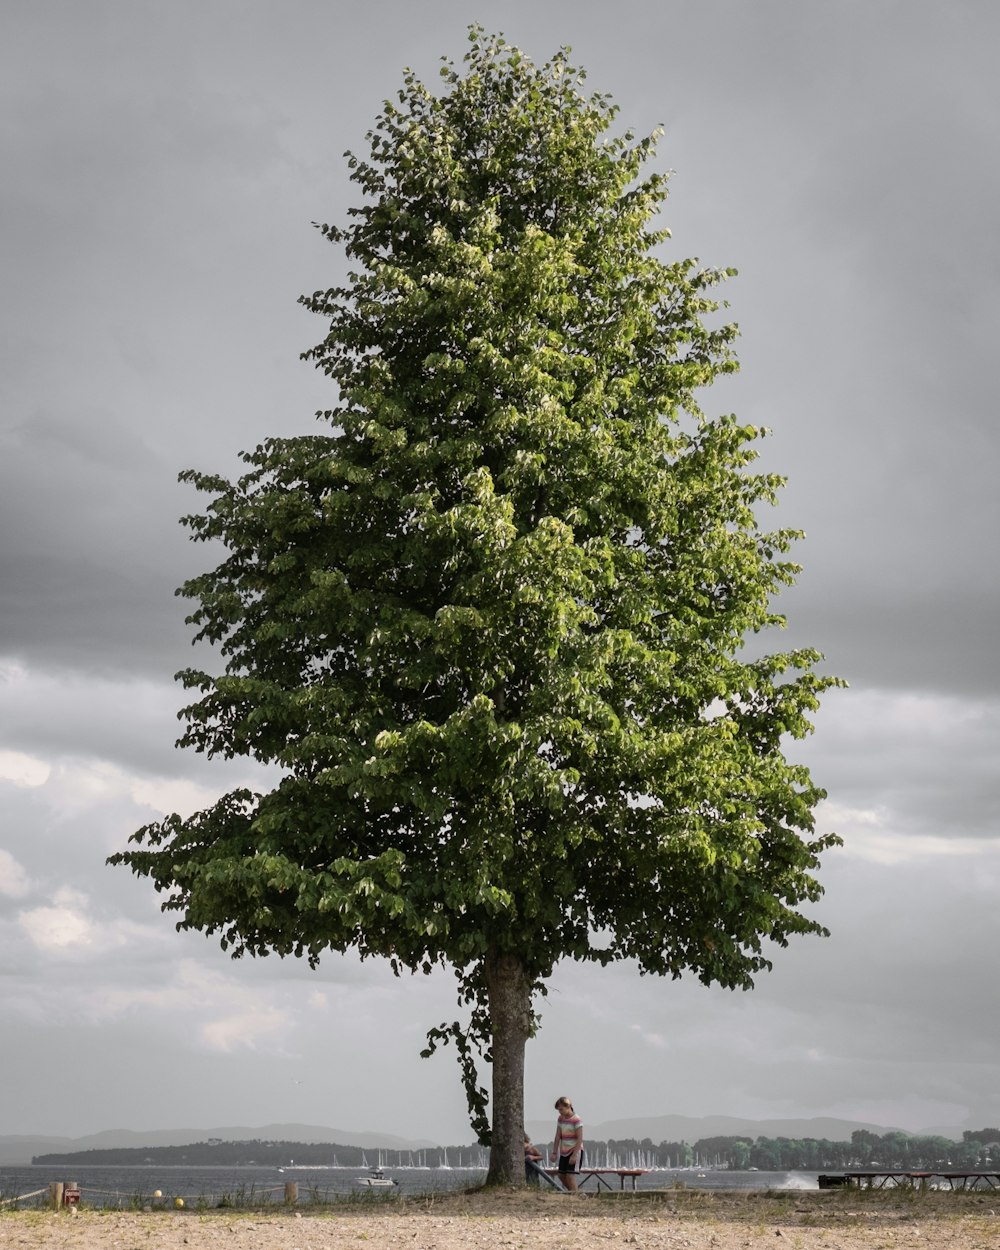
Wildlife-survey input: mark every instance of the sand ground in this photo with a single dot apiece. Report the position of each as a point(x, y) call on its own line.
point(515, 1220)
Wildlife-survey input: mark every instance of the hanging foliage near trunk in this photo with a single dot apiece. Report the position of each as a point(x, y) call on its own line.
point(490, 622)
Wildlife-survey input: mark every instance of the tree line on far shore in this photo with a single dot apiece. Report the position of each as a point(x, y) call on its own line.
point(978, 1150)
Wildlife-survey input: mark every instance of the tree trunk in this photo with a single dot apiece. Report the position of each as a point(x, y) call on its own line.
point(509, 990)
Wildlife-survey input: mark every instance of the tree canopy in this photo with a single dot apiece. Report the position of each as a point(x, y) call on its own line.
point(490, 622)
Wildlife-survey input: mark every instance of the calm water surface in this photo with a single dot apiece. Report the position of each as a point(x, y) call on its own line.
point(111, 1186)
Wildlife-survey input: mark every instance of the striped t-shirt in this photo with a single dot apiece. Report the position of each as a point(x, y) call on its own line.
point(568, 1129)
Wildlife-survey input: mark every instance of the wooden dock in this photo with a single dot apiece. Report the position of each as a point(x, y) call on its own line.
point(913, 1180)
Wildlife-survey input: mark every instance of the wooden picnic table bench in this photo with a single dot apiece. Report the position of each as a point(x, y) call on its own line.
point(599, 1175)
point(918, 1178)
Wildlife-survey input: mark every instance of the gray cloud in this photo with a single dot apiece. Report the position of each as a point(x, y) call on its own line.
point(88, 560)
point(912, 768)
point(161, 173)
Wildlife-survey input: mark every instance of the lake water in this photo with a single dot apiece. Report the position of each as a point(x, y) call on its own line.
point(111, 1186)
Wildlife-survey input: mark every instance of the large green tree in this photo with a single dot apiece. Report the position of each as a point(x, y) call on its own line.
point(490, 621)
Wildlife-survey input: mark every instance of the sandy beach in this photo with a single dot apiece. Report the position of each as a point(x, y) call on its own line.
point(666, 1220)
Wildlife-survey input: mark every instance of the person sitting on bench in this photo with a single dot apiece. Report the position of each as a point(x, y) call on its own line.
point(532, 1160)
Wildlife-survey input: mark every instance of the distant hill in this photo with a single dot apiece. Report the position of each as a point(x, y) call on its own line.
point(21, 1149)
point(694, 1128)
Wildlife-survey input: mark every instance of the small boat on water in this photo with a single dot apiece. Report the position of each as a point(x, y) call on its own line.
point(376, 1179)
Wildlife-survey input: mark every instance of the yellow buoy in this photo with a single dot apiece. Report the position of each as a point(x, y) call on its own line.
point(178, 1203)
point(157, 1193)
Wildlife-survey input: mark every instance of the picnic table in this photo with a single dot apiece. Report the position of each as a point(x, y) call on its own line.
point(600, 1174)
point(919, 1179)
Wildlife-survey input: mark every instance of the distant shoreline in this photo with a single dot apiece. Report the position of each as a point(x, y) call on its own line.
point(979, 1149)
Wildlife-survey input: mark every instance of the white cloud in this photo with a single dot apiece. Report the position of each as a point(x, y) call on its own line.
point(897, 763)
point(62, 927)
point(203, 1006)
point(86, 739)
point(77, 785)
point(66, 927)
point(650, 1037)
point(73, 786)
point(14, 881)
point(891, 848)
point(842, 817)
point(878, 835)
point(23, 770)
point(165, 795)
point(244, 1029)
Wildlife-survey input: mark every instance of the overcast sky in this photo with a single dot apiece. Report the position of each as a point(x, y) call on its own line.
point(161, 165)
